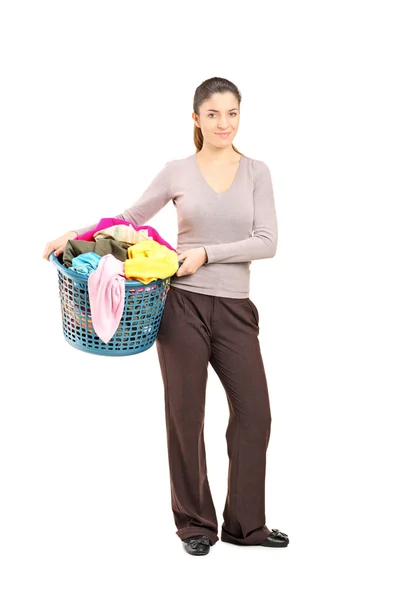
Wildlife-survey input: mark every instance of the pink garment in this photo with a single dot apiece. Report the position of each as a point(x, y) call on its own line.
point(109, 222)
point(106, 287)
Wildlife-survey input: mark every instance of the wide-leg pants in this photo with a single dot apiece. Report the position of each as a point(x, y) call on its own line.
point(195, 330)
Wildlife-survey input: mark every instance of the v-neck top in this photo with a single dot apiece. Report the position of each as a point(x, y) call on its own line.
point(235, 227)
point(209, 186)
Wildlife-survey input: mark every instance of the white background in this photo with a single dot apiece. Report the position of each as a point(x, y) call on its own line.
point(96, 98)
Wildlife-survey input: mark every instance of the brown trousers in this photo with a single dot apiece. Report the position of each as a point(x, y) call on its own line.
point(197, 329)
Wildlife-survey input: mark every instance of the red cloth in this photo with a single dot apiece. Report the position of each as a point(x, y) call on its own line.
point(109, 222)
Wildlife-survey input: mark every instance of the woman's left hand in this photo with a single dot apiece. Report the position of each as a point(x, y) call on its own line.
point(192, 261)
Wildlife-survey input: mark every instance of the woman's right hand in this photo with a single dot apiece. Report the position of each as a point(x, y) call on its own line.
point(59, 244)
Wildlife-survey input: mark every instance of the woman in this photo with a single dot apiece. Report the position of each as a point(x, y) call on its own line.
point(227, 218)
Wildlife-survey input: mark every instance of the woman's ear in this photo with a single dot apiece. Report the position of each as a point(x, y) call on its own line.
point(195, 119)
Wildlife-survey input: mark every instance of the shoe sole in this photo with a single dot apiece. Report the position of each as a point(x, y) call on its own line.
point(253, 545)
point(274, 546)
point(197, 553)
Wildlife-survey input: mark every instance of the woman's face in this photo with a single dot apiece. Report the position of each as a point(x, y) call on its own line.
point(219, 114)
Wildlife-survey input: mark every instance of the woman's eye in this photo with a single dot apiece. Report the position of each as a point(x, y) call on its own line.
point(232, 115)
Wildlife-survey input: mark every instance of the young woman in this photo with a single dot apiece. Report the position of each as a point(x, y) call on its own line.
point(226, 218)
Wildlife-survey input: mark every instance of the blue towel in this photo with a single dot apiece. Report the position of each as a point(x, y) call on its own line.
point(85, 263)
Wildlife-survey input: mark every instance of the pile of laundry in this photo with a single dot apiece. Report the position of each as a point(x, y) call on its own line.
point(110, 254)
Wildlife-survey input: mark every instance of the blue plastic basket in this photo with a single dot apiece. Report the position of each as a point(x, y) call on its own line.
point(139, 324)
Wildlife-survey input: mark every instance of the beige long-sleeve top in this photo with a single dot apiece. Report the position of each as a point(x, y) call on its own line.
point(235, 227)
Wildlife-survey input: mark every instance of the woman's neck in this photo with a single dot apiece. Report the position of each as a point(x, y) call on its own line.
point(210, 153)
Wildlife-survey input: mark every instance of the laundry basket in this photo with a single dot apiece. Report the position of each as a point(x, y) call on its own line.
point(139, 324)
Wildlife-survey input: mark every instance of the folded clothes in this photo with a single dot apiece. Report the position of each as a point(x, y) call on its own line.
point(108, 222)
point(149, 261)
point(101, 247)
point(122, 233)
point(106, 287)
point(85, 263)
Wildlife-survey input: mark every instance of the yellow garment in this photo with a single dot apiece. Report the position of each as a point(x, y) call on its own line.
point(149, 261)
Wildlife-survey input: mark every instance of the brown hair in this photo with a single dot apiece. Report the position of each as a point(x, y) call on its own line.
point(203, 92)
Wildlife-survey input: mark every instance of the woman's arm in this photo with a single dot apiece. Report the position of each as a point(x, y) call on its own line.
point(153, 199)
point(264, 240)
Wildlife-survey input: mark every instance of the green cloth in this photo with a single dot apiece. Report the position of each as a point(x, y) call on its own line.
point(101, 247)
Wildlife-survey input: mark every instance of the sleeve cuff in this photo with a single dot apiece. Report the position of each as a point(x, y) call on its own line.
point(213, 255)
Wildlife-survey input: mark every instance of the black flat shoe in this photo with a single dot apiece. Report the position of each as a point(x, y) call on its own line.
point(276, 539)
point(198, 545)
